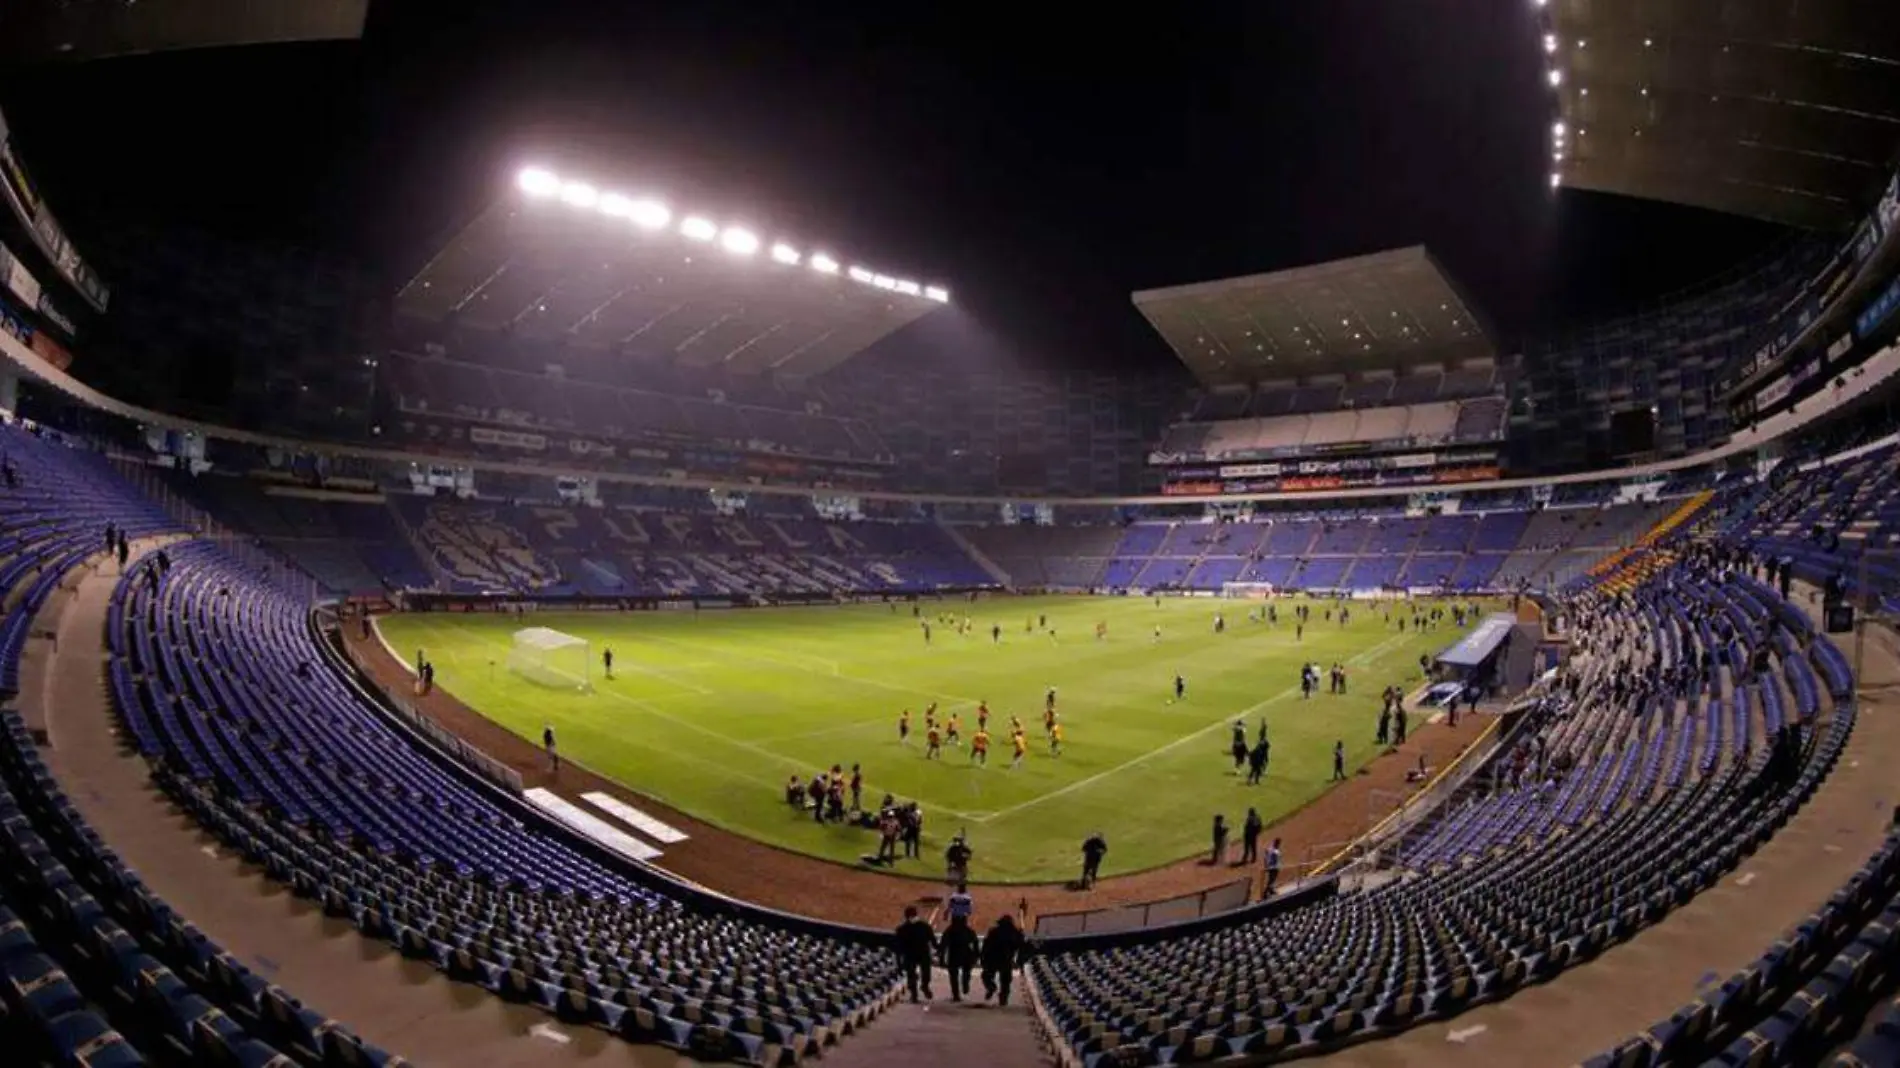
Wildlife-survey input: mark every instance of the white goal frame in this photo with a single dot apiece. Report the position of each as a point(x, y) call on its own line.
point(548, 657)
point(1254, 591)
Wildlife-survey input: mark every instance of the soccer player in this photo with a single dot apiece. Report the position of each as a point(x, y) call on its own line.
point(926, 626)
point(1049, 702)
point(953, 728)
point(607, 662)
point(1101, 631)
point(1339, 761)
point(980, 747)
point(1015, 725)
point(982, 715)
point(1157, 636)
point(1180, 687)
point(933, 742)
point(903, 728)
point(996, 634)
point(1055, 739)
point(1022, 747)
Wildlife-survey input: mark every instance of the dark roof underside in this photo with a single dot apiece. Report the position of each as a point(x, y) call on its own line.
point(1385, 311)
point(36, 31)
point(545, 271)
point(1783, 110)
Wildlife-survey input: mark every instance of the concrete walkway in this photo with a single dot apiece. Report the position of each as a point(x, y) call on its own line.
point(403, 1006)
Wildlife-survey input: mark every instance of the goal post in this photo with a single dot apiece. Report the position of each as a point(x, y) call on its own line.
point(547, 657)
point(1258, 591)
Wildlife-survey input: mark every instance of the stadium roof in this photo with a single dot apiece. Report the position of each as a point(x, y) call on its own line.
point(34, 31)
point(563, 259)
point(1785, 110)
point(1377, 312)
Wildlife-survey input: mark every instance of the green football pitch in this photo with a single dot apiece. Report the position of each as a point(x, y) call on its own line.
point(712, 711)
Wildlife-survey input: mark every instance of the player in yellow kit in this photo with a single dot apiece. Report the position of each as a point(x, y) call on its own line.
point(1055, 739)
point(952, 729)
point(980, 747)
point(1021, 742)
point(903, 728)
point(933, 743)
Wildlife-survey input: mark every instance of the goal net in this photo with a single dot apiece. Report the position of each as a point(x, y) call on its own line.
point(1255, 590)
point(548, 657)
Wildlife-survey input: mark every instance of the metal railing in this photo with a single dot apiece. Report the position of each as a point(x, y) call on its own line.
point(1226, 897)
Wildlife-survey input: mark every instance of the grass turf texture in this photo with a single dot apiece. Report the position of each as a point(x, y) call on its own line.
point(713, 711)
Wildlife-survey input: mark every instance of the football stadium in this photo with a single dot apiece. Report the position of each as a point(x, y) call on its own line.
point(580, 535)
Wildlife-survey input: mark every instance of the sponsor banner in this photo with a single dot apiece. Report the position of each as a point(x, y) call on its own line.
point(46, 230)
point(1308, 484)
point(1183, 489)
point(51, 351)
point(1468, 474)
point(55, 316)
point(11, 322)
point(1879, 311)
point(1887, 212)
point(1774, 393)
point(1866, 240)
point(512, 439)
point(1423, 459)
point(18, 280)
point(1198, 472)
point(1841, 347)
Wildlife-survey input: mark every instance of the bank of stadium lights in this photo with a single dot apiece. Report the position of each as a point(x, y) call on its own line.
point(648, 214)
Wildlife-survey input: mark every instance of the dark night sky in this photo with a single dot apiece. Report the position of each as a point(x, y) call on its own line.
point(1043, 169)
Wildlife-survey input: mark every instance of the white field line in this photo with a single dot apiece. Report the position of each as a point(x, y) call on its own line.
point(650, 708)
point(1151, 754)
point(833, 672)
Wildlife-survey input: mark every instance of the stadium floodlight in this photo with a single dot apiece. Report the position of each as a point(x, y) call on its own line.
point(537, 183)
point(614, 205)
point(1550, 42)
point(786, 254)
point(909, 288)
point(1556, 179)
point(698, 229)
point(883, 281)
point(1558, 130)
point(937, 293)
point(823, 264)
point(579, 194)
point(739, 241)
point(649, 214)
point(859, 274)
point(1556, 78)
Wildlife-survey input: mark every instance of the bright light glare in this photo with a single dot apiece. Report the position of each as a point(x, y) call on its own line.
point(579, 194)
point(649, 214)
point(538, 183)
point(1556, 77)
point(1556, 179)
point(1557, 130)
point(1550, 42)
